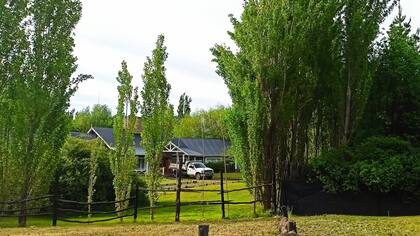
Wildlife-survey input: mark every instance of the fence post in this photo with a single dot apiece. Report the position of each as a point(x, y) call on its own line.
point(54, 210)
point(222, 195)
point(136, 196)
point(178, 193)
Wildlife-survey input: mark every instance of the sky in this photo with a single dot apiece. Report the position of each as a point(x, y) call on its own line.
point(114, 30)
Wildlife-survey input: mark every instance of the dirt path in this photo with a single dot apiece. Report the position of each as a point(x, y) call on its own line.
point(253, 227)
point(314, 225)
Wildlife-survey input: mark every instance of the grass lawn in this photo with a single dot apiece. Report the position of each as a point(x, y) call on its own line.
point(240, 220)
point(167, 214)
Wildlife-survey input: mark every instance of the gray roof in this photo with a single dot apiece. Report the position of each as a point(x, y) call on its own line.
point(202, 147)
point(191, 146)
point(82, 135)
point(107, 135)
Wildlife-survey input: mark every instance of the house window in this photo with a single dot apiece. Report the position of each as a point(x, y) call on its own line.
point(142, 165)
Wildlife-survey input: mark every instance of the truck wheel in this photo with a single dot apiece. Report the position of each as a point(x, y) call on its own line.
point(198, 176)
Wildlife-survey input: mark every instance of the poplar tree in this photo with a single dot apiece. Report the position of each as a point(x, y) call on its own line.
point(360, 21)
point(37, 64)
point(98, 152)
point(270, 84)
point(157, 116)
point(184, 106)
point(302, 72)
point(123, 157)
point(394, 104)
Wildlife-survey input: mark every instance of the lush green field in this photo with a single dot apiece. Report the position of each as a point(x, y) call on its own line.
point(314, 225)
point(240, 219)
point(167, 214)
point(208, 212)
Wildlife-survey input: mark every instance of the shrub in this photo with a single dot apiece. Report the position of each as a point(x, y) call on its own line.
point(72, 174)
point(143, 200)
point(379, 164)
point(333, 170)
point(219, 166)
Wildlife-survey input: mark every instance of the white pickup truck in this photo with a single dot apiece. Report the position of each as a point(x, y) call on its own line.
point(194, 169)
point(198, 170)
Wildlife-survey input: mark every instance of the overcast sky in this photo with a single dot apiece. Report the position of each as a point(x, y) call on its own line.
point(111, 31)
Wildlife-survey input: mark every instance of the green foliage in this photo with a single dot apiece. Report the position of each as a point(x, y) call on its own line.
point(299, 81)
point(269, 82)
point(219, 166)
point(157, 115)
point(36, 66)
point(394, 103)
point(99, 116)
point(333, 169)
point(143, 199)
point(123, 156)
point(184, 106)
point(207, 124)
point(379, 164)
point(98, 151)
point(73, 171)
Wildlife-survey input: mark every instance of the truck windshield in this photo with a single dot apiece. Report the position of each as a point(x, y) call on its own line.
point(199, 165)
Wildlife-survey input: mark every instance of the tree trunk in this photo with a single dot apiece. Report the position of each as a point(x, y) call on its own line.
point(347, 118)
point(268, 166)
point(22, 216)
point(151, 214)
point(23, 197)
point(27, 178)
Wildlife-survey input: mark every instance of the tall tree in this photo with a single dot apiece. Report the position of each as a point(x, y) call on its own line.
point(98, 151)
point(99, 116)
point(157, 115)
point(13, 43)
point(394, 103)
point(203, 124)
point(360, 27)
point(290, 84)
point(37, 63)
point(270, 85)
point(123, 158)
point(81, 121)
point(184, 108)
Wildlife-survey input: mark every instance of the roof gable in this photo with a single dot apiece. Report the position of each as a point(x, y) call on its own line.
point(107, 135)
point(191, 146)
point(202, 147)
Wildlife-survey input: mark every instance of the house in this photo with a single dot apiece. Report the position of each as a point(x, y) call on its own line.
point(204, 150)
point(107, 136)
point(177, 150)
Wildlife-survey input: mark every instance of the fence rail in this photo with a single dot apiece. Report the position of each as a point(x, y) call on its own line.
point(94, 203)
point(26, 200)
point(57, 208)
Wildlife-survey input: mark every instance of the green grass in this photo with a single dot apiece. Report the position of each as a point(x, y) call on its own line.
point(209, 212)
point(233, 175)
point(165, 215)
point(240, 220)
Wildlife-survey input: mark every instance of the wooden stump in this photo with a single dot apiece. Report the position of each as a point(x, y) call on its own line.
point(203, 230)
point(286, 227)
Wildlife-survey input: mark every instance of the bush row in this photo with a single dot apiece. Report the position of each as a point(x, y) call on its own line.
point(379, 164)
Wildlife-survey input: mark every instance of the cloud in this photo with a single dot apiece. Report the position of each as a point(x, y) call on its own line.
point(111, 31)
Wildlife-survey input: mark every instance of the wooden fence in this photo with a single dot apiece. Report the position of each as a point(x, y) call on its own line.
point(222, 202)
point(60, 209)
